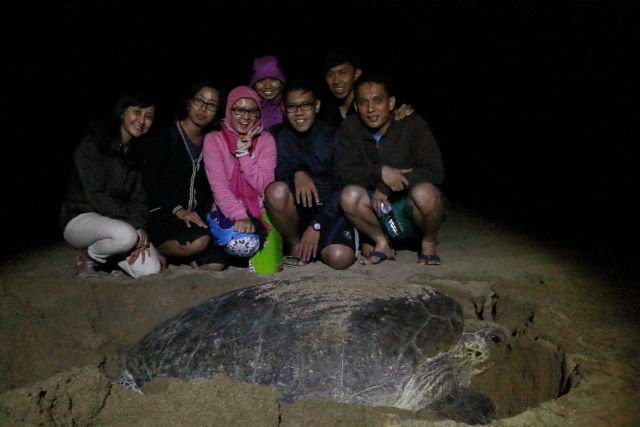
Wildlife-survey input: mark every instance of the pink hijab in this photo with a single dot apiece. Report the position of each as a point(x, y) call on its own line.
point(239, 186)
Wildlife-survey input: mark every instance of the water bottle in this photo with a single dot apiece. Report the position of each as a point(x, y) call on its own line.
point(388, 219)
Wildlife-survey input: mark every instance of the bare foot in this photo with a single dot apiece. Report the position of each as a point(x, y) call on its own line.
point(164, 264)
point(366, 249)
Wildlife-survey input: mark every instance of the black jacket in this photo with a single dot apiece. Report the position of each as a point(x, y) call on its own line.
point(408, 143)
point(108, 183)
point(172, 178)
point(330, 112)
point(313, 153)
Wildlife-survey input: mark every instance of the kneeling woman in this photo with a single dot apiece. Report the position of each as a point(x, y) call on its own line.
point(240, 161)
point(104, 212)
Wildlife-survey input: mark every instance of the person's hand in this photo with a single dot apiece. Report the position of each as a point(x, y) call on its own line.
point(243, 144)
point(306, 191)
point(308, 246)
point(245, 141)
point(190, 217)
point(244, 226)
point(141, 248)
point(138, 252)
point(143, 238)
point(394, 178)
point(377, 199)
point(403, 111)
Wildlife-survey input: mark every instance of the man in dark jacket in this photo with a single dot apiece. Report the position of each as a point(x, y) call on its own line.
point(389, 163)
point(341, 71)
point(303, 202)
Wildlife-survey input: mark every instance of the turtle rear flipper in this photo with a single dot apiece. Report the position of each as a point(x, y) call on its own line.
point(126, 380)
point(463, 405)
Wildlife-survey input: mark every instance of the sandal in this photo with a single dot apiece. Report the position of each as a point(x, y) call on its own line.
point(366, 259)
point(292, 261)
point(428, 259)
point(86, 267)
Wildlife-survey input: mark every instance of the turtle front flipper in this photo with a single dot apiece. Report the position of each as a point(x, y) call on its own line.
point(462, 404)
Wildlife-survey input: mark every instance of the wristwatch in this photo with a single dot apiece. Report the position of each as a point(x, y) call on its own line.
point(316, 225)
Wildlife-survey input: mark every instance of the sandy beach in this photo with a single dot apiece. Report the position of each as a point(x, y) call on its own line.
point(572, 358)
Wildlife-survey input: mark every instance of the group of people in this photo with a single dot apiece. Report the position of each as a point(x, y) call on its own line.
point(322, 173)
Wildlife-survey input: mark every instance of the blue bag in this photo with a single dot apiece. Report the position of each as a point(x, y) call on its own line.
point(237, 244)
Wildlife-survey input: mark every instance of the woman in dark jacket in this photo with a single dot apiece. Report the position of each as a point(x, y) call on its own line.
point(104, 212)
point(175, 181)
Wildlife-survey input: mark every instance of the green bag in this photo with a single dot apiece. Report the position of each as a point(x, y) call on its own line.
point(269, 259)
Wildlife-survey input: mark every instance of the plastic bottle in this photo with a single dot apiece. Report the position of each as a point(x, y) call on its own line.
point(389, 221)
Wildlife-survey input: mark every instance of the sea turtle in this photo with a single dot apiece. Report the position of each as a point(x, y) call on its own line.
point(400, 346)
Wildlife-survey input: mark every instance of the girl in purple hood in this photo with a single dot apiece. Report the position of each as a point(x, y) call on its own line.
point(240, 160)
point(268, 81)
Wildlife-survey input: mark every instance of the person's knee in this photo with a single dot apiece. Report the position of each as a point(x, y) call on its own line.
point(350, 197)
point(338, 257)
point(276, 194)
point(426, 197)
point(197, 246)
point(124, 237)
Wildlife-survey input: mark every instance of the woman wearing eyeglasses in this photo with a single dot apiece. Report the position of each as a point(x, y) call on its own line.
point(175, 180)
point(240, 160)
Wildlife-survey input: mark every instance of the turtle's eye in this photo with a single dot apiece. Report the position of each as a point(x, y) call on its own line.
point(496, 339)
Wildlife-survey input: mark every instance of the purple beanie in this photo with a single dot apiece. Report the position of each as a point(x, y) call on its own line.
point(265, 67)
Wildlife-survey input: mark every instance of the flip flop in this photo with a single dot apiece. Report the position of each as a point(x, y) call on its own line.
point(366, 260)
point(429, 259)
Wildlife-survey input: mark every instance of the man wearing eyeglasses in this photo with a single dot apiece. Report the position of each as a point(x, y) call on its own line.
point(303, 201)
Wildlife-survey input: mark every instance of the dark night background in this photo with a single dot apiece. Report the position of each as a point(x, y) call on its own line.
point(531, 102)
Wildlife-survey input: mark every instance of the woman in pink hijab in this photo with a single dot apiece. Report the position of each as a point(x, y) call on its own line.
point(240, 160)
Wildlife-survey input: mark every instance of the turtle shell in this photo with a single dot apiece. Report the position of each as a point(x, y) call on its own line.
point(350, 343)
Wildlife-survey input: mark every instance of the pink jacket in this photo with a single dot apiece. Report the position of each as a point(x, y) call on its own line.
point(257, 168)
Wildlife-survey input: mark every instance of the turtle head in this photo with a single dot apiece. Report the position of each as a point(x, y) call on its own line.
point(475, 347)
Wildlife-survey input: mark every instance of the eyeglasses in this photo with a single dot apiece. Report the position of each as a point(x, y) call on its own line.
point(305, 106)
point(239, 112)
point(200, 103)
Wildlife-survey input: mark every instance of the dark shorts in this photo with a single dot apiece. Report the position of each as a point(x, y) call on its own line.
point(214, 254)
point(340, 232)
point(162, 228)
point(168, 227)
